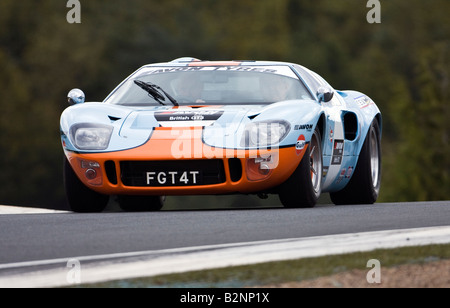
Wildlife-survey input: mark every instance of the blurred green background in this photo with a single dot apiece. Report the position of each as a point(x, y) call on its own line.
point(402, 64)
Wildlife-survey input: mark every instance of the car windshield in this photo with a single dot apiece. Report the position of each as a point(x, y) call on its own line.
point(211, 85)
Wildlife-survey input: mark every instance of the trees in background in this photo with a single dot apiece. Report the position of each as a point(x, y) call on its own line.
point(402, 63)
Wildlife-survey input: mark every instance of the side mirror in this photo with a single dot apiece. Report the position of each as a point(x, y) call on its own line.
point(76, 96)
point(324, 94)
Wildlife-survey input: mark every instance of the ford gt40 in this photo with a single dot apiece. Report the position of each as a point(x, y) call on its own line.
point(191, 127)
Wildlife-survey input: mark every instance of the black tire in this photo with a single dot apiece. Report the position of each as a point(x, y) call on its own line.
point(140, 203)
point(364, 186)
point(303, 188)
point(80, 198)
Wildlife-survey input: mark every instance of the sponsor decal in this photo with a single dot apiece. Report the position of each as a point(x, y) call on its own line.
point(300, 145)
point(307, 127)
point(349, 173)
point(338, 152)
point(341, 176)
point(325, 171)
point(279, 70)
point(210, 68)
point(188, 117)
point(363, 101)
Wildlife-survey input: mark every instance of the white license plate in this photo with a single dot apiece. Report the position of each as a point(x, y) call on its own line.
point(173, 178)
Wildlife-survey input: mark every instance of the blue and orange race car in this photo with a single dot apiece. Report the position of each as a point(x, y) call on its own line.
point(191, 127)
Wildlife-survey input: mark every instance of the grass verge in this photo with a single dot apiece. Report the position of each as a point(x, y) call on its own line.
point(285, 271)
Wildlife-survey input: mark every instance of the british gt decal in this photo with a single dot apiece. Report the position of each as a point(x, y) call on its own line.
point(188, 117)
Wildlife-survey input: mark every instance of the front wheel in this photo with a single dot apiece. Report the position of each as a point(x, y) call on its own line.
point(364, 186)
point(80, 198)
point(303, 188)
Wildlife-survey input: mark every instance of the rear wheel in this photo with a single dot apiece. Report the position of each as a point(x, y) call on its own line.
point(364, 186)
point(80, 198)
point(303, 188)
point(141, 203)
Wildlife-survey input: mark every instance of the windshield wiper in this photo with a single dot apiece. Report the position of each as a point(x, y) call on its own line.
point(152, 90)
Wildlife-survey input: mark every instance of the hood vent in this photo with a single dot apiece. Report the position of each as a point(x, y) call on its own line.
point(113, 119)
point(251, 117)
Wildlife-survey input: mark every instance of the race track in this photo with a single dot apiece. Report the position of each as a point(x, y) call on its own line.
point(28, 238)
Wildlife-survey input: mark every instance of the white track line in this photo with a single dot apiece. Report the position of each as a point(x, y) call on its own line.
point(151, 263)
point(9, 210)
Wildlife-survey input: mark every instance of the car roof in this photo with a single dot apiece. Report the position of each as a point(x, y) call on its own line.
point(189, 61)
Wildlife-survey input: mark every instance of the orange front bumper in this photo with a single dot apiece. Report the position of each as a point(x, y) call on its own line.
point(245, 171)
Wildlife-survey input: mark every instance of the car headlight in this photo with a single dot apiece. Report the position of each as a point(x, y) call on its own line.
point(264, 134)
point(87, 136)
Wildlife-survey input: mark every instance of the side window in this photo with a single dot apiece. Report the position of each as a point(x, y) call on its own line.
point(313, 80)
point(321, 80)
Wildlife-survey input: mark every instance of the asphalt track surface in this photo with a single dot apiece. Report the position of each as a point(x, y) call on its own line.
point(32, 237)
